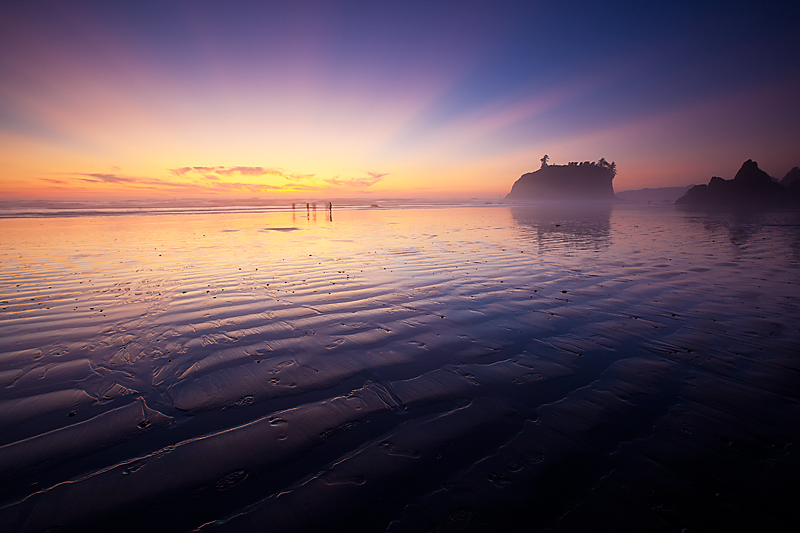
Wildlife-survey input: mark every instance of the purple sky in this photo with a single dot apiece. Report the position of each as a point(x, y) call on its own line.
point(388, 98)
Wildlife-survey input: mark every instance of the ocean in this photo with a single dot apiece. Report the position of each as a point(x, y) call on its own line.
point(398, 366)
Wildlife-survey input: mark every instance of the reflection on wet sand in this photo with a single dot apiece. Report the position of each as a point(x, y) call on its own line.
point(584, 227)
point(744, 225)
point(465, 369)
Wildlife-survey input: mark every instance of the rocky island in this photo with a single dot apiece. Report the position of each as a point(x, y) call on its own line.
point(751, 187)
point(791, 177)
point(589, 181)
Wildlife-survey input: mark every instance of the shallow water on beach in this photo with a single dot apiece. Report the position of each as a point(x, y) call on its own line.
point(441, 369)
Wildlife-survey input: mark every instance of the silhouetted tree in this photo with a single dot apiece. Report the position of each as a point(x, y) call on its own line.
point(544, 160)
point(602, 163)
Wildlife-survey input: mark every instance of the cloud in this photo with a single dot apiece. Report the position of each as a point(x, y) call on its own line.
point(214, 173)
point(378, 175)
point(138, 182)
point(299, 177)
point(107, 178)
point(374, 178)
point(250, 171)
point(222, 179)
point(295, 180)
point(251, 187)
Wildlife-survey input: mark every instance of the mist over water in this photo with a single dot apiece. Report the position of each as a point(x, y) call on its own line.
point(196, 206)
point(403, 368)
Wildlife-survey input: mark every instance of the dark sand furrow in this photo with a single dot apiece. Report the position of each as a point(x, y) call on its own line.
point(469, 380)
point(545, 467)
point(236, 326)
point(366, 334)
point(8, 377)
point(702, 469)
point(79, 439)
point(276, 377)
point(677, 502)
point(61, 370)
point(36, 334)
point(622, 329)
point(521, 370)
point(22, 409)
point(179, 469)
point(345, 491)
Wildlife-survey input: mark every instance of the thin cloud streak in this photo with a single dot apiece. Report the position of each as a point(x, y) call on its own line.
point(212, 180)
point(107, 178)
point(353, 182)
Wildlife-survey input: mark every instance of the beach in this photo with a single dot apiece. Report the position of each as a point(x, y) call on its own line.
point(400, 368)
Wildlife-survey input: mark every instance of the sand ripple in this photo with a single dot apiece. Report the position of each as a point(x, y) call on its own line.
point(401, 370)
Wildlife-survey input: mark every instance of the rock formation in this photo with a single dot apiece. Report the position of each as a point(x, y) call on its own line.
point(587, 181)
point(793, 176)
point(751, 187)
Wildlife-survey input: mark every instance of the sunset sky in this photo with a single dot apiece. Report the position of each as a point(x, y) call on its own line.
point(387, 98)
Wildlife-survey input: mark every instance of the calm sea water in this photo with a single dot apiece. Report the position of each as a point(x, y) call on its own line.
point(404, 368)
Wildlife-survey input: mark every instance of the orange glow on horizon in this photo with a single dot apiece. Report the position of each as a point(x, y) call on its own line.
point(90, 139)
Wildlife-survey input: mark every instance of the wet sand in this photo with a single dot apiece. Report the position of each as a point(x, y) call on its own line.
point(443, 369)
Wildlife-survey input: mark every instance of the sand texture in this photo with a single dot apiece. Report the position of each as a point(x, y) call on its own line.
point(474, 368)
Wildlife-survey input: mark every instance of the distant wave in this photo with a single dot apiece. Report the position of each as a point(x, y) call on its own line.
point(65, 209)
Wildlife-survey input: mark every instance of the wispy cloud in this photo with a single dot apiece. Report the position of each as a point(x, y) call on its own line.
point(250, 187)
point(215, 173)
point(356, 183)
point(294, 181)
point(134, 182)
point(107, 178)
point(180, 171)
point(202, 180)
point(300, 177)
point(378, 175)
point(250, 171)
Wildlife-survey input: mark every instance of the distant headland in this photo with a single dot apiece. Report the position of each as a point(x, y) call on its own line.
point(751, 187)
point(589, 181)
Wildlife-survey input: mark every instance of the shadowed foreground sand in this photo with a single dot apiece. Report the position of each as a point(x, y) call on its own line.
point(460, 369)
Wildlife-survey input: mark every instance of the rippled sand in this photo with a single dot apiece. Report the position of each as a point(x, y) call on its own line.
point(445, 369)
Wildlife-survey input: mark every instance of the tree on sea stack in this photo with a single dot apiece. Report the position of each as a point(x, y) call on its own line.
point(544, 160)
point(610, 166)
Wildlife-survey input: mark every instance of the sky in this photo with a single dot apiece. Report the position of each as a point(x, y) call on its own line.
point(387, 98)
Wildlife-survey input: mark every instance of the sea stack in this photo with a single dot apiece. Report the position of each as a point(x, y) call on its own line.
point(751, 187)
point(582, 182)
